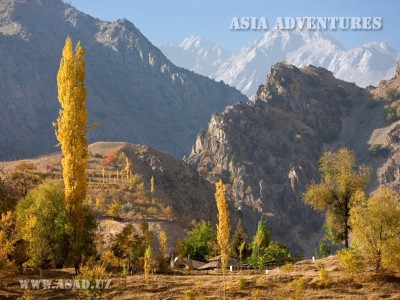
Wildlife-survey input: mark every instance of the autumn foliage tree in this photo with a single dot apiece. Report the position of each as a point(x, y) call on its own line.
point(41, 220)
point(71, 130)
point(223, 228)
point(7, 244)
point(341, 188)
point(376, 228)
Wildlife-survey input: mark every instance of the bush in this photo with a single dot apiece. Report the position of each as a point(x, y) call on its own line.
point(324, 280)
point(110, 158)
point(277, 251)
point(351, 261)
point(189, 295)
point(96, 276)
point(299, 286)
point(242, 283)
point(287, 268)
point(42, 220)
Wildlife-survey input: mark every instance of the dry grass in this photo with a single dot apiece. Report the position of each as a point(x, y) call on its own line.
point(301, 282)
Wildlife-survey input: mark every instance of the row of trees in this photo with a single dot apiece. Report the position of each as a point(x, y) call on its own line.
point(201, 244)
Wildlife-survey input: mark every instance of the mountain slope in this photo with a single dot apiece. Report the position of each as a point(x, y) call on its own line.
point(177, 185)
point(134, 92)
point(247, 68)
point(268, 149)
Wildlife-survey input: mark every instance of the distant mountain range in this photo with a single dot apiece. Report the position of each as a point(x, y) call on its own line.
point(247, 69)
point(134, 92)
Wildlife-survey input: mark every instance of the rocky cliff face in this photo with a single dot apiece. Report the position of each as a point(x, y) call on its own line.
point(387, 138)
point(268, 150)
point(134, 92)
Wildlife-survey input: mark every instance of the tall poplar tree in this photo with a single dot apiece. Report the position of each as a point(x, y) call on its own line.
point(223, 229)
point(71, 130)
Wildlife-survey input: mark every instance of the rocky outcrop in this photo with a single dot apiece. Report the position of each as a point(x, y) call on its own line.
point(387, 138)
point(268, 149)
point(135, 93)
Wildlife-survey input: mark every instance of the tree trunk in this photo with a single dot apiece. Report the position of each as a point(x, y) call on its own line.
point(378, 262)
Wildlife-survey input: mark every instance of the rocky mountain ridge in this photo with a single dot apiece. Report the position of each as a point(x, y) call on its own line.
point(135, 93)
point(268, 150)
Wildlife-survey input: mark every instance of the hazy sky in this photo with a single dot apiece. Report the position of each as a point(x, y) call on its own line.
point(173, 20)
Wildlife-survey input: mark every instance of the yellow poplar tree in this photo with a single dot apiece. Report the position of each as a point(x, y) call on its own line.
point(152, 187)
point(71, 130)
point(128, 168)
point(223, 229)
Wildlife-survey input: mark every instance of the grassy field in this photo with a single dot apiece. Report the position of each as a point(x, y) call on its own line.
point(303, 280)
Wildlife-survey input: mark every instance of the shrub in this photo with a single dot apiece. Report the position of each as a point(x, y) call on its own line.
point(127, 207)
point(42, 221)
point(351, 261)
point(256, 294)
point(299, 286)
point(114, 209)
point(110, 158)
point(324, 280)
point(242, 283)
point(95, 274)
point(277, 251)
point(189, 295)
point(287, 268)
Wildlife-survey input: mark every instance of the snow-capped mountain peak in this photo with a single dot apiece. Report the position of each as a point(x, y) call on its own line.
point(248, 68)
